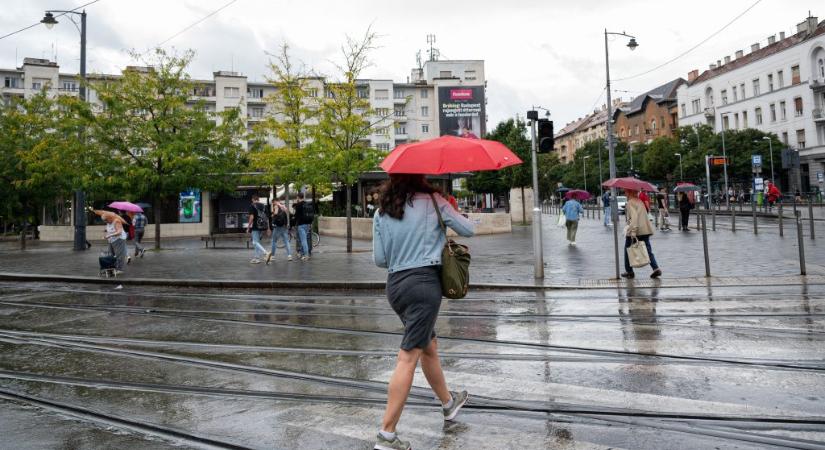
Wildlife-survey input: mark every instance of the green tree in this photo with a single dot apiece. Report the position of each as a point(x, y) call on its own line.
point(513, 134)
point(346, 121)
point(161, 142)
point(660, 162)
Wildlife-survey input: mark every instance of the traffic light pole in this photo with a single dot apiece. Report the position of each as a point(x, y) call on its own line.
point(537, 241)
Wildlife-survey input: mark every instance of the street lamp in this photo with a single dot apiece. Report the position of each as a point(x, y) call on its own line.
point(611, 148)
point(584, 168)
point(770, 147)
point(725, 157)
point(681, 175)
point(79, 197)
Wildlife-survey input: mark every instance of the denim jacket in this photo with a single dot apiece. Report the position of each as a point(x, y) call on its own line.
point(417, 239)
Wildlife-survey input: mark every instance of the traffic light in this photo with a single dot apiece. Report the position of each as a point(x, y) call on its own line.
point(545, 136)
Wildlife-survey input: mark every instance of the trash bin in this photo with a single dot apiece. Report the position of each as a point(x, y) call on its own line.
point(760, 198)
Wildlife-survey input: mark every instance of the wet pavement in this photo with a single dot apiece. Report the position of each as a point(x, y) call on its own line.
point(506, 258)
point(88, 366)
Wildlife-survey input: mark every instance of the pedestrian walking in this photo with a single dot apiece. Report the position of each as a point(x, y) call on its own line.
point(685, 206)
point(606, 206)
point(304, 216)
point(116, 236)
point(408, 240)
point(258, 225)
point(663, 206)
point(139, 227)
point(572, 210)
point(279, 224)
point(772, 193)
point(638, 227)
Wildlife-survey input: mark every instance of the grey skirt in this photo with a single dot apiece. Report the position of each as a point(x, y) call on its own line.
point(415, 295)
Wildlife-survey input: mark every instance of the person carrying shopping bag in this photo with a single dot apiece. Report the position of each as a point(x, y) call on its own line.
point(638, 229)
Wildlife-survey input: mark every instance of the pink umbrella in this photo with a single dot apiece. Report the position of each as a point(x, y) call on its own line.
point(630, 183)
point(126, 206)
point(578, 194)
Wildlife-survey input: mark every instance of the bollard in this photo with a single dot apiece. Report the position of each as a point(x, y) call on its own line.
point(599, 212)
point(705, 245)
point(794, 205)
point(755, 229)
point(781, 216)
point(697, 220)
point(713, 218)
point(733, 219)
point(801, 243)
point(811, 217)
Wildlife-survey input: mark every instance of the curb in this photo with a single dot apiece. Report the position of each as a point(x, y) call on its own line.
point(380, 285)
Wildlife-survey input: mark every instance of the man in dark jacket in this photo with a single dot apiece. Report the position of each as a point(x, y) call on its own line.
point(304, 216)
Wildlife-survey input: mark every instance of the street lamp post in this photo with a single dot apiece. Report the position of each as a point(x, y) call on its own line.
point(611, 149)
point(584, 168)
point(770, 147)
point(79, 209)
point(725, 157)
point(681, 175)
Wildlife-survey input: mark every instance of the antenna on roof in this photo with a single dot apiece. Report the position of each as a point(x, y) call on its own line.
point(418, 59)
point(433, 51)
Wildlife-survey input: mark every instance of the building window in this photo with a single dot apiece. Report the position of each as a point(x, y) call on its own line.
point(69, 86)
point(744, 119)
point(398, 94)
point(445, 74)
point(399, 111)
point(695, 106)
point(684, 110)
point(800, 138)
point(797, 107)
point(382, 94)
point(424, 93)
point(383, 112)
point(385, 131)
point(363, 93)
point(742, 90)
point(770, 82)
point(37, 85)
point(400, 129)
point(758, 112)
point(425, 128)
point(12, 82)
point(772, 108)
point(256, 112)
point(653, 126)
point(782, 114)
point(821, 65)
point(231, 92)
point(636, 130)
point(312, 92)
point(385, 147)
point(255, 93)
point(756, 87)
point(735, 96)
point(725, 123)
point(736, 121)
point(795, 75)
point(469, 74)
point(785, 137)
point(724, 94)
point(425, 111)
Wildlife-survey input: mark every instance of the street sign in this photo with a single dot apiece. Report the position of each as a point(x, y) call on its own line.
point(756, 160)
point(758, 184)
point(717, 161)
point(820, 177)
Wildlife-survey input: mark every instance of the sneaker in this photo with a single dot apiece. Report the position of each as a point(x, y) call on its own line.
point(289, 258)
point(459, 399)
point(268, 257)
point(628, 275)
point(395, 444)
point(255, 261)
point(142, 251)
point(117, 272)
point(305, 258)
point(656, 273)
point(572, 242)
point(128, 260)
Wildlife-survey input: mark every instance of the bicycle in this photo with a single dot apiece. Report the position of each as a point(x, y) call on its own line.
point(293, 237)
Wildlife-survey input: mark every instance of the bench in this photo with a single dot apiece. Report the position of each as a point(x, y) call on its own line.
point(225, 237)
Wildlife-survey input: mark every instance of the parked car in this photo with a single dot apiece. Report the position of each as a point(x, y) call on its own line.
point(621, 201)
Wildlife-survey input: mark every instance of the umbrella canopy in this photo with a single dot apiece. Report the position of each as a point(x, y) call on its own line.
point(686, 187)
point(126, 206)
point(578, 194)
point(449, 154)
point(562, 189)
point(629, 183)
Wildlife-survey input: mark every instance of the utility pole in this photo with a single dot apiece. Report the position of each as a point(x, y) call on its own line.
point(538, 267)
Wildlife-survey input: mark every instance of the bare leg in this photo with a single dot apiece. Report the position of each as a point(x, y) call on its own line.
point(399, 387)
point(431, 365)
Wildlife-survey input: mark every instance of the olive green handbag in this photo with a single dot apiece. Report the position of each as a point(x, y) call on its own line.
point(455, 264)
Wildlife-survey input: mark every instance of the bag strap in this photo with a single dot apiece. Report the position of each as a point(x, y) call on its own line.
point(438, 213)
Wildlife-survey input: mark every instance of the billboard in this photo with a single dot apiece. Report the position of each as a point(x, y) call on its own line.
point(189, 206)
point(461, 111)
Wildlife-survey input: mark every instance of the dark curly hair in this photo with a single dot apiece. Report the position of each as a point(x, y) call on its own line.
point(399, 190)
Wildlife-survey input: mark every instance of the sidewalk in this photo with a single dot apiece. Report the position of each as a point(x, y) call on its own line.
point(736, 258)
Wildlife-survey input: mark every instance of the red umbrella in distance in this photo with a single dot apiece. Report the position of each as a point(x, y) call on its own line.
point(449, 154)
point(578, 194)
point(630, 183)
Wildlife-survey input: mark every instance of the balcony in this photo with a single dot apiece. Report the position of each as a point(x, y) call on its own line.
point(817, 84)
point(400, 117)
point(710, 112)
point(818, 115)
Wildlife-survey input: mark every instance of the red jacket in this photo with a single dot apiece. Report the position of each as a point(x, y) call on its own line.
point(645, 199)
point(773, 193)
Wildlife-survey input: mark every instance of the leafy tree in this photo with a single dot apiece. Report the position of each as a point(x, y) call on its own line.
point(161, 142)
point(513, 134)
point(660, 162)
point(346, 121)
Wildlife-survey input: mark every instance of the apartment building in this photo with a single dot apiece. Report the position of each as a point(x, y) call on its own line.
point(581, 131)
point(778, 88)
point(649, 115)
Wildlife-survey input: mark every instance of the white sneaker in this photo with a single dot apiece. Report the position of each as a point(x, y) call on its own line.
point(289, 258)
point(573, 243)
point(305, 258)
point(255, 261)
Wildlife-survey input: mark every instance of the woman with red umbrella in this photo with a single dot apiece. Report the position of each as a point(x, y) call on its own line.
point(408, 240)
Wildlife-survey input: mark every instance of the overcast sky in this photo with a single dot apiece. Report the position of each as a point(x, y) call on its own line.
point(542, 52)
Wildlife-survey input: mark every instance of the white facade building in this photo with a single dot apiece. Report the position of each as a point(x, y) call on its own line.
point(779, 89)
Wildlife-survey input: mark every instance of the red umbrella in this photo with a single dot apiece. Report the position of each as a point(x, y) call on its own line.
point(449, 154)
point(578, 194)
point(630, 183)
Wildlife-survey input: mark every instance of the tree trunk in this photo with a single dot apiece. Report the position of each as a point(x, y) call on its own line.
point(348, 191)
point(158, 214)
point(23, 236)
point(523, 208)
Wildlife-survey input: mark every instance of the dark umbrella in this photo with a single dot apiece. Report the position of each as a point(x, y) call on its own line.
point(578, 194)
point(686, 187)
point(562, 189)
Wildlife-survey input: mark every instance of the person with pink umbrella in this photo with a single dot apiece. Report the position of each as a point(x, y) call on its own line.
point(638, 227)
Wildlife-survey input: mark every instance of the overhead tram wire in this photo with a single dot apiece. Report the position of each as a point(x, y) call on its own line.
point(38, 22)
point(692, 48)
point(194, 24)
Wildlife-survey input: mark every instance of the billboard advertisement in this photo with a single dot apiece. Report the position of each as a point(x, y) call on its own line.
point(189, 206)
point(461, 111)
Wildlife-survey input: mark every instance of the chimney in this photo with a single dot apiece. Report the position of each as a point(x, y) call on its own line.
point(739, 54)
point(727, 59)
point(718, 63)
point(802, 27)
point(712, 66)
point(812, 23)
point(771, 39)
point(754, 47)
point(781, 35)
point(692, 75)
